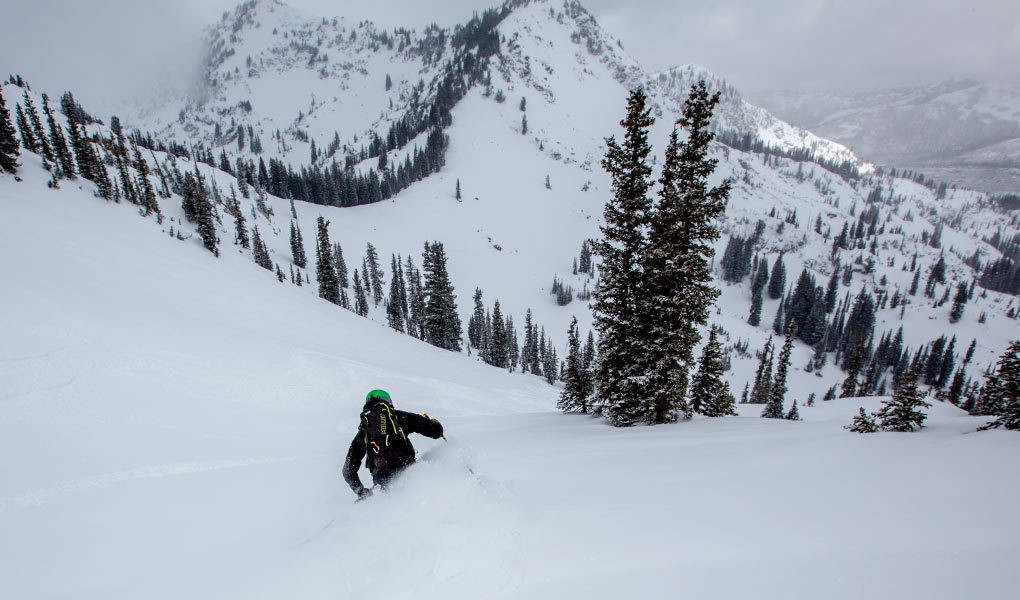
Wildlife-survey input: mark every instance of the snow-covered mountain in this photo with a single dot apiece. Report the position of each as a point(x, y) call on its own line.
point(296, 78)
point(177, 417)
point(961, 131)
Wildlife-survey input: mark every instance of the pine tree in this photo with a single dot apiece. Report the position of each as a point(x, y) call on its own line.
point(618, 378)
point(325, 274)
point(959, 303)
point(855, 363)
point(341, 265)
point(831, 291)
point(777, 394)
point(574, 397)
point(1003, 389)
point(37, 129)
point(259, 250)
point(793, 414)
point(476, 321)
point(710, 395)
point(763, 377)
point(373, 273)
point(27, 137)
point(457, 192)
point(58, 143)
point(498, 353)
point(195, 189)
point(862, 423)
point(761, 277)
point(8, 143)
point(903, 411)
point(678, 288)
point(240, 228)
point(360, 297)
point(777, 282)
point(147, 195)
point(297, 245)
point(441, 322)
point(394, 315)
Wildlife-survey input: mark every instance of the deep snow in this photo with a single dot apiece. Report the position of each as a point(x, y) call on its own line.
point(167, 431)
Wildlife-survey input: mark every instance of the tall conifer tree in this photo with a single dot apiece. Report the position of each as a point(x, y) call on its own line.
point(8, 143)
point(620, 371)
point(325, 274)
point(677, 289)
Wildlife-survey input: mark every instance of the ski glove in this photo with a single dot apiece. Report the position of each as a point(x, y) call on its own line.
point(364, 493)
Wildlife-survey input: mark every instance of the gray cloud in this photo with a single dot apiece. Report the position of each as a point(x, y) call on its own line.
point(110, 49)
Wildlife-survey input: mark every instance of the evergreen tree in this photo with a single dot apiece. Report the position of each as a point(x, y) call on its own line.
point(777, 282)
point(831, 292)
point(325, 274)
point(195, 190)
point(550, 363)
point(476, 322)
point(8, 143)
point(677, 291)
point(341, 265)
point(914, 283)
point(710, 395)
point(259, 250)
point(37, 129)
point(360, 297)
point(297, 245)
point(793, 414)
point(777, 323)
point(763, 377)
point(777, 395)
point(58, 143)
point(498, 351)
point(1002, 390)
point(27, 137)
point(240, 229)
point(574, 397)
point(854, 365)
point(959, 302)
point(457, 192)
point(415, 301)
point(903, 411)
point(394, 315)
point(441, 322)
point(862, 423)
point(82, 150)
point(147, 195)
point(373, 273)
point(618, 378)
point(761, 277)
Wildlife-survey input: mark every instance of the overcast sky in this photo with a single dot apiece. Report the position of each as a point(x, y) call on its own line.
point(758, 45)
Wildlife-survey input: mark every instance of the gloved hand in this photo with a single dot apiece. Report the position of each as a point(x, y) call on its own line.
point(364, 493)
point(439, 426)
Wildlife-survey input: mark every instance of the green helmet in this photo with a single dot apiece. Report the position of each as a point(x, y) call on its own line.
point(378, 395)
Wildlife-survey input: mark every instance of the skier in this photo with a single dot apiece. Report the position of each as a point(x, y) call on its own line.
point(382, 435)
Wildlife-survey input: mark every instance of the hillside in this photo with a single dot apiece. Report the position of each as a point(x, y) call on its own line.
point(179, 432)
point(173, 420)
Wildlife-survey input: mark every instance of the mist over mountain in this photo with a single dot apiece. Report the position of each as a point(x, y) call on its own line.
point(964, 132)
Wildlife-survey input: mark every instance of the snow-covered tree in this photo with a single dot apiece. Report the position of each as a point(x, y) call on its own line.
point(8, 143)
point(1002, 390)
point(710, 395)
point(903, 411)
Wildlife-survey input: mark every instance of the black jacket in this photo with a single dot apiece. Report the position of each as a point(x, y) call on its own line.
point(379, 468)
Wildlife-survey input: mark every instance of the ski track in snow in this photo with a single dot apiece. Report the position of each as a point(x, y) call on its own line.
point(43, 496)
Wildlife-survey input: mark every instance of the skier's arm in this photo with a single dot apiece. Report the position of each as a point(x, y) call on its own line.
point(354, 457)
point(415, 423)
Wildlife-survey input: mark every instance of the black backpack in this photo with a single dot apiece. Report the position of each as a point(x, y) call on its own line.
point(384, 437)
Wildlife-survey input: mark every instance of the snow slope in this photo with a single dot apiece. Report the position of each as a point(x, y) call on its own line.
point(167, 431)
